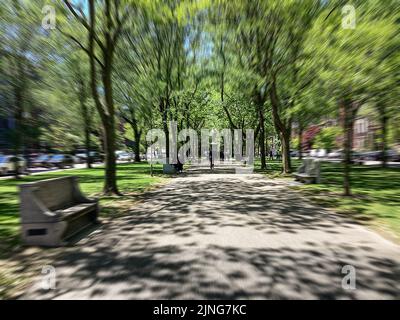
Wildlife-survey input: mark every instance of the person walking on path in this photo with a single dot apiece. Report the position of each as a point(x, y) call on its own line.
point(210, 156)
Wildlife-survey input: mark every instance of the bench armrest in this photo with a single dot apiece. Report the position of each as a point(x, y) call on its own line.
point(78, 195)
point(34, 210)
point(301, 169)
point(40, 205)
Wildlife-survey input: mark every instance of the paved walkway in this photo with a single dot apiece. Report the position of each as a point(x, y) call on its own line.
point(226, 236)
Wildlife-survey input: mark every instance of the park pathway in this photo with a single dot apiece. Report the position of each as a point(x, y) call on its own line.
point(226, 236)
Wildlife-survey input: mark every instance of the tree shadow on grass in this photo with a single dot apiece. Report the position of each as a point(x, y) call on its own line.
point(9, 228)
point(362, 177)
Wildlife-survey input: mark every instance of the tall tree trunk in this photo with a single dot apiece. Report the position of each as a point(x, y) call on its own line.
point(87, 146)
point(106, 111)
point(87, 126)
point(349, 113)
point(259, 102)
point(166, 132)
point(86, 116)
point(109, 33)
point(285, 139)
point(384, 121)
point(222, 92)
point(281, 127)
point(18, 138)
point(300, 147)
point(262, 142)
point(137, 134)
point(110, 183)
point(110, 186)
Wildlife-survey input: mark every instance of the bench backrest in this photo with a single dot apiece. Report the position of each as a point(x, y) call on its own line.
point(305, 165)
point(313, 168)
point(309, 166)
point(54, 193)
point(308, 163)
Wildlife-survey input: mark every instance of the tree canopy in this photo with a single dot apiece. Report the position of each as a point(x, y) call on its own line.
point(109, 67)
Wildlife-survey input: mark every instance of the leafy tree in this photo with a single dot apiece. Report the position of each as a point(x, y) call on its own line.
point(352, 61)
point(21, 44)
point(104, 29)
point(271, 37)
point(327, 138)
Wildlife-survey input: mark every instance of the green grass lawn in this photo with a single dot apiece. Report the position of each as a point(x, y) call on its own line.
point(375, 200)
point(274, 167)
point(132, 179)
point(376, 193)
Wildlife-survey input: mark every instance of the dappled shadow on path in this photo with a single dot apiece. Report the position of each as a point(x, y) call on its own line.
point(225, 237)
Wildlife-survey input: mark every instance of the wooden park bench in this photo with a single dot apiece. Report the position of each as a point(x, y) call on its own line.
point(54, 210)
point(309, 171)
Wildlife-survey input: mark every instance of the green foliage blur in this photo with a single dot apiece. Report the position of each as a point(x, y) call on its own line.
point(266, 65)
point(327, 138)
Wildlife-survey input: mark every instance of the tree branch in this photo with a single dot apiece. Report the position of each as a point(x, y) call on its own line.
point(82, 20)
point(80, 45)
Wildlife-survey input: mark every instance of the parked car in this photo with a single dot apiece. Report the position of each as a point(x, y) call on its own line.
point(7, 164)
point(321, 153)
point(93, 155)
point(305, 154)
point(77, 160)
point(80, 155)
point(126, 156)
point(356, 158)
point(393, 156)
point(369, 156)
point(40, 161)
point(118, 152)
point(31, 157)
point(294, 153)
point(338, 154)
point(61, 161)
point(313, 153)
